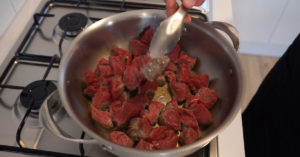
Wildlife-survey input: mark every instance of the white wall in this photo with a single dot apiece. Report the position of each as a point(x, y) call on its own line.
point(266, 27)
point(8, 11)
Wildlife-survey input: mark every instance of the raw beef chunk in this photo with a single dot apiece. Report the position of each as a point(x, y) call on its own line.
point(118, 64)
point(207, 96)
point(102, 98)
point(129, 109)
point(140, 61)
point(153, 113)
point(139, 128)
point(102, 117)
point(126, 55)
point(116, 87)
point(174, 54)
point(147, 36)
point(198, 81)
point(161, 80)
point(132, 77)
point(138, 48)
point(188, 118)
point(148, 87)
point(201, 113)
point(187, 60)
point(103, 69)
point(145, 145)
point(90, 91)
point(180, 90)
point(171, 118)
point(120, 138)
point(172, 104)
point(184, 73)
point(172, 67)
point(188, 136)
point(190, 100)
point(170, 75)
point(163, 138)
point(90, 78)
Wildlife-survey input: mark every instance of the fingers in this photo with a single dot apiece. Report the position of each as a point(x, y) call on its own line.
point(172, 7)
point(187, 19)
point(191, 3)
point(199, 2)
point(188, 3)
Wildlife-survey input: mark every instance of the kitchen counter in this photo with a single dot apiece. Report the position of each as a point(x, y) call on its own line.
point(230, 141)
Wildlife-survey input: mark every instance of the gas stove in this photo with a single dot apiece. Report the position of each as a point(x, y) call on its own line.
point(31, 75)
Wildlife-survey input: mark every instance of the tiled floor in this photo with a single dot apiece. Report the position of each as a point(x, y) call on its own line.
point(255, 70)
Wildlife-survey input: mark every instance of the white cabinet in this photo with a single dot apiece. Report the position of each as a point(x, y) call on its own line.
point(266, 27)
point(8, 11)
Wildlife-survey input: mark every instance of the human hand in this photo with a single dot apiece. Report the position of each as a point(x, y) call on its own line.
point(172, 7)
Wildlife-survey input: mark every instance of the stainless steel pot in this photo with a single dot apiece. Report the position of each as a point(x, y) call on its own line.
point(216, 56)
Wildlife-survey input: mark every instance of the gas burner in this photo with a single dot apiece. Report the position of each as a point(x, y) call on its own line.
point(34, 95)
point(72, 24)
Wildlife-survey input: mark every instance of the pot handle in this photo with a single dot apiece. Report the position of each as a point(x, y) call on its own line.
point(230, 30)
point(48, 122)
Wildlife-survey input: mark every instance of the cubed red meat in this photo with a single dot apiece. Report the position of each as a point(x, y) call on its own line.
point(103, 61)
point(172, 104)
point(126, 55)
point(148, 87)
point(116, 87)
point(201, 113)
point(138, 48)
point(140, 100)
point(139, 128)
point(140, 61)
point(103, 68)
point(171, 118)
point(198, 81)
point(153, 112)
point(120, 52)
point(188, 136)
point(174, 54)
point(90, 90)
point(132, 77)
point(188, 118)
point(207, 96)
point(115, 106)
point(103, 81)
point(102, 98)
point(145, 145)
point(184, 73)
point(186, 59)
point(171, 76)
point(104, 71)
point(190, 100)
point(171, 67)
point(123, 97)
point(163, 138)
point(90, 78)
point(147, 36)
point(118, 64)
point(180, 90)
point(161, 80)
point(129, 109)
point(120, 138)
point(102, 117)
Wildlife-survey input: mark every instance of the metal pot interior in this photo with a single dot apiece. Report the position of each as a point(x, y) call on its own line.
point(215, 57)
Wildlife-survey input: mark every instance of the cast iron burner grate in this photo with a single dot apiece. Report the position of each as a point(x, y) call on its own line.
point(36, 92)
point(73, 23)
